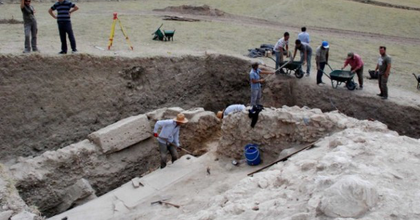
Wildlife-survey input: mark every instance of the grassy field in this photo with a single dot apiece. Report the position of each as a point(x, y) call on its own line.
point(92, 25)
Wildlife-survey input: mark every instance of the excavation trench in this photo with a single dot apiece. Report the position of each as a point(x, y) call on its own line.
point(52, 102)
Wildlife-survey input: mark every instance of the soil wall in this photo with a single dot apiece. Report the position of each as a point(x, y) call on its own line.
point(51, 102)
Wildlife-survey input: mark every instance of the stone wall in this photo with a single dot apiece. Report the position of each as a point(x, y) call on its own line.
point(57, 180)
point(277, 129)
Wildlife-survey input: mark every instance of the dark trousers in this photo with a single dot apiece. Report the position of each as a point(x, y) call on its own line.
point(359, 73)
point(382, 80)
point(64, 27)
point(164, 148)
point(320, 72)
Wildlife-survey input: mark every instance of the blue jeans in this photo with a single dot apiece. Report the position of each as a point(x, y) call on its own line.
point(64, 27)
point(279, 59)
point(255, 97)
point(31, 30)
point(308, 61)
point(320, 72)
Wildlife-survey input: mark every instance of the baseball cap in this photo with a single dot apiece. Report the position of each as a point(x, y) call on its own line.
point(325, 44)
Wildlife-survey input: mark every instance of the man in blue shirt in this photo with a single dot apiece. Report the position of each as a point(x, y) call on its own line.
point(168, 138)
point(256, 81)
point(304, 36)
point(64, 10)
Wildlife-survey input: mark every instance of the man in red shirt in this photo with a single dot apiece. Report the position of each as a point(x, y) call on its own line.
point(356, 64)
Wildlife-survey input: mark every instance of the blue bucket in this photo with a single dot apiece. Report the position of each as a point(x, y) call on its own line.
point(252, 154)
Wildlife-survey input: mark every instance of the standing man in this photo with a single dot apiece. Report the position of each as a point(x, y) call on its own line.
point(64, 10)
point(321, 60)
point(168, 138)
point(281, 48)
point(305, 54)
point(256, 81)
point(356, 64)
point(384, 67)
point(230, 109)
point(304, 36)
point(30, 26)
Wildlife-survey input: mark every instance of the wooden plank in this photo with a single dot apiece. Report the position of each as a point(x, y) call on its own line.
point(282, 159)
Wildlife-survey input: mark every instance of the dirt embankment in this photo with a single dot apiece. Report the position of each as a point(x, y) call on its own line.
point(51, 102)
point(384, 4)
point(290, 91)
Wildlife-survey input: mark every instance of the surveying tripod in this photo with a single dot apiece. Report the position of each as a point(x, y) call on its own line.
point(111, 36)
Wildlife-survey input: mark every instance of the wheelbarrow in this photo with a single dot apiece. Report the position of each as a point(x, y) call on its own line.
point(163, 35)
point(338, 77)
point(418, 80)
point(289, 67)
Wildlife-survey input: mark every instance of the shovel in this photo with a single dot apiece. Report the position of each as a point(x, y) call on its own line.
point(165, 203)
point(181, 148)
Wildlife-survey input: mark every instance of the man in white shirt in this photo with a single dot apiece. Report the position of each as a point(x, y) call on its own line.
point(304, 36)
point(168, 138)
point(230, 109)
point(281, 48)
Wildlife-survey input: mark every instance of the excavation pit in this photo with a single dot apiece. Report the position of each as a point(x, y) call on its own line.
point(57, 101)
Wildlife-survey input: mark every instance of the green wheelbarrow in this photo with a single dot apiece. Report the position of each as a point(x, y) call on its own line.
point(338, 77)
point(163, 35)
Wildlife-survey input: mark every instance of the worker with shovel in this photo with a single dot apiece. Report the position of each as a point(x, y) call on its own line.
point(168, 138)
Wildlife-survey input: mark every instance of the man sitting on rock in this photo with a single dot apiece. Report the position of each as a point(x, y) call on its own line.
point(230, 109)
point(168, 138)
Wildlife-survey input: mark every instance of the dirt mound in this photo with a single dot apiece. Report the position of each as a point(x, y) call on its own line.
point(384, 4)
point(194, 10)
point(10, 21)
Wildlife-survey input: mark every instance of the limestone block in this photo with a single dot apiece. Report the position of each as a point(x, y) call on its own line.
point(6, 215)
point(191, 112)
point(172, 112)
point(122, 134)
point(156, 114)
point(24, 216)
point(80, 190)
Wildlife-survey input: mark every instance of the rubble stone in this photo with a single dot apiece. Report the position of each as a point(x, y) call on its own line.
point(6, 215)
point(76, 193)
point(24, 216)
point(277, 128)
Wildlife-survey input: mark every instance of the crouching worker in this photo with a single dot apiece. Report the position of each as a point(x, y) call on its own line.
point(168, 138)
point(230, 109)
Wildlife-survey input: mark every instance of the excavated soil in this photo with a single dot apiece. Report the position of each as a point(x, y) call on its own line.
point(10, 21)
point(51, 102)
point(204, 10)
